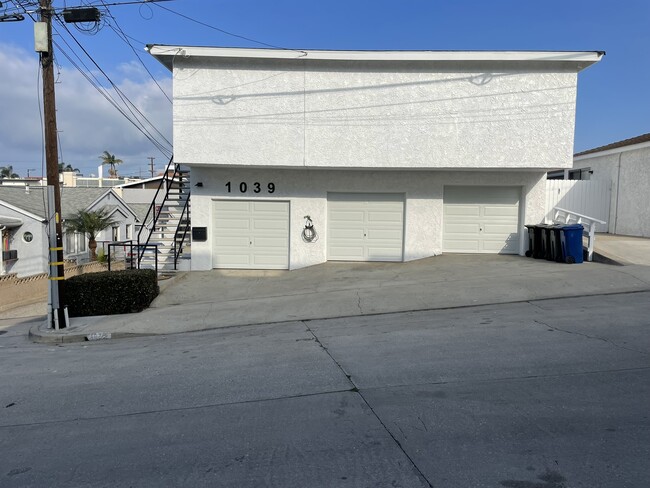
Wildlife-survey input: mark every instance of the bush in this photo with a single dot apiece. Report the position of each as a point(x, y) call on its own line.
point(111, 292)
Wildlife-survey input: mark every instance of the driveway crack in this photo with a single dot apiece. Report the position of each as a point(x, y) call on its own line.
point(355, 389)
point(587, 336)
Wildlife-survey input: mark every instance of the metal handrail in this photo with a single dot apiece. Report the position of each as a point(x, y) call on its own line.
point(178, 247)
point(152, 207)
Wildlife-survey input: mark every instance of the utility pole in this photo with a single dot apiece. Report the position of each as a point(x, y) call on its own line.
point(151, 158)
point(57, 274)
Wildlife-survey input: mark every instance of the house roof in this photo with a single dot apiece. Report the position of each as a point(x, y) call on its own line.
point(33, 202)
point(73, 199)
point(141, 210)
point(577, 60)
point(615, 145)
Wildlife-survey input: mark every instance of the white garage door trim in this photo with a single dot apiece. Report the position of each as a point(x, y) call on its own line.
point(365, 226)
point(481, 219)
point(250, 234)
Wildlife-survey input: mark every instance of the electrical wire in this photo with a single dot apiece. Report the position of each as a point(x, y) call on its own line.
point(121, 34)
point(302, 53)
point(130, 106)
point(98, 86)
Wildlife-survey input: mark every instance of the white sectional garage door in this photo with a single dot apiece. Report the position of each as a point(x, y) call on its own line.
point(365, 226)
point(250, 234)
point(481, 219)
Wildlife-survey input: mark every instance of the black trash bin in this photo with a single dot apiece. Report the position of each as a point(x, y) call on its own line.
point(535, 247)
point(531, 240)
point(557, 253)
point(545, 231)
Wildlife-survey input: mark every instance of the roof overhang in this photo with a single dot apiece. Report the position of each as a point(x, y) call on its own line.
point(574, 60)
point(9, 222)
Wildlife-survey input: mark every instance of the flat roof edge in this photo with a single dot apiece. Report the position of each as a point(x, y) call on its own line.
point(166, 53)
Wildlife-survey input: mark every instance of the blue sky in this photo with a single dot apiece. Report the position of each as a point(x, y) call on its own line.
point(613, 96)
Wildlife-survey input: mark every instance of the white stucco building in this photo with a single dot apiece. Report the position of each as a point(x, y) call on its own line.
point(626, 164)
point(394, 156)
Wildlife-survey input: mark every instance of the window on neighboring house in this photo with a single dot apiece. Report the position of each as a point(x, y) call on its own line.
point(81, 242)
point(116, 234)
point(580, 174)
point(129, 231)
point(69, 244)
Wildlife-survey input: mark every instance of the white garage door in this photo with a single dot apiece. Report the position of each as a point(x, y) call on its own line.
point(250, 234)
point(481, 219)
point(365, 226)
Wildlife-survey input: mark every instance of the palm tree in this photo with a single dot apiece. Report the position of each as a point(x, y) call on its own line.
point(8, 172)
point(90, 222)
point(67, 167)
point(110, 160)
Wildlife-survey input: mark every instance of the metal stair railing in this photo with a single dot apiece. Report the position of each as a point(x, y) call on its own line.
point(166, 182)
point(184, 221)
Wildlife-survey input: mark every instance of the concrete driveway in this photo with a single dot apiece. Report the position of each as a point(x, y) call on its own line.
point(212, 299)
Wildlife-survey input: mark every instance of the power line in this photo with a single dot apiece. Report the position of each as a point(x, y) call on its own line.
point(127, 102)
point(302, 53)
point(124, 37)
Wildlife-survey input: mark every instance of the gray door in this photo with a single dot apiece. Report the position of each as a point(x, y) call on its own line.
point(250, 234)
point(481, 219)
point(365, 226)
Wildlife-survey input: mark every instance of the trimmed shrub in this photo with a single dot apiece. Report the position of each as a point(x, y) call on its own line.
point(111, 292)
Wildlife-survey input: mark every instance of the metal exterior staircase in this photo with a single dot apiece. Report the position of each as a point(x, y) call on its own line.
point(164, 239)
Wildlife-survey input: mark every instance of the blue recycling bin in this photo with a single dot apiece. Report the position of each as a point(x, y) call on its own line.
point(571, 240)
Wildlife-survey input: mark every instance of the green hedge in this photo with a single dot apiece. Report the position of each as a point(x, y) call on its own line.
point(111, 292)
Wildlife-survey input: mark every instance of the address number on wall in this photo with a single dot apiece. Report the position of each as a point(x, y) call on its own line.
point(244, 187)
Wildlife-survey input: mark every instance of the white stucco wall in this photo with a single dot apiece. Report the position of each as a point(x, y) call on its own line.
point(306, 190)
point(32, 256)
point(296, 113)
point(629, 172)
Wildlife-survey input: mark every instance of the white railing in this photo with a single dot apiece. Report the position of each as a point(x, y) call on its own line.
point(563, 216)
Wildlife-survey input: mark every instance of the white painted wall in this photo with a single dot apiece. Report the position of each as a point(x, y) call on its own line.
point(301, 113)
point(307, 193)
point(629, 174)
point(32, 256)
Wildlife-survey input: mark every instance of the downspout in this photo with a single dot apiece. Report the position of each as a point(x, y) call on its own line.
point(2, 268)
point(618, 185)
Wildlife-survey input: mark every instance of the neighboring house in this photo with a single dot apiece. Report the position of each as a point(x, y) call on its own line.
point(393, 155)
point(626, 164)
point(23, 221)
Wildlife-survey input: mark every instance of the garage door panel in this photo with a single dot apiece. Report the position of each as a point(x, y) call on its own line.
point(463, 210)
point(274, 244)
point(383, 254)
point(499, 246)
point(498, 229)
point(394, 235)
point(499, 211)
point(462, 245)
point(346, 253)
point(273, 225)
point(232, 241)
point(365, 227)
point(343, 215)
point(481, 219)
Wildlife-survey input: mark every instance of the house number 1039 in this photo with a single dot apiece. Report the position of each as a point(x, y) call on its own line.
point(256, 187)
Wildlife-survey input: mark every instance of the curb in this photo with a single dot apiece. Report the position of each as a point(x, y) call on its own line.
point(50, 336)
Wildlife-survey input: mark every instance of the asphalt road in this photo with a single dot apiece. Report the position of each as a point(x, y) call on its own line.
point(546, 394)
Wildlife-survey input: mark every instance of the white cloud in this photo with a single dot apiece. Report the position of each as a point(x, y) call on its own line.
point(87, 122)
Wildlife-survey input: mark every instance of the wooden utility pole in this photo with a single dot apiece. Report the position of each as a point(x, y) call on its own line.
point(151, 158)
point(52, 163)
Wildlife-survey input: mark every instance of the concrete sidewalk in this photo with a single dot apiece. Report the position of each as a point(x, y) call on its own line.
point(220, 298)
point(623, 250)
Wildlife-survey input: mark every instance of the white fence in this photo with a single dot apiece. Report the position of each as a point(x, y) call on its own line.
point(587, 197)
